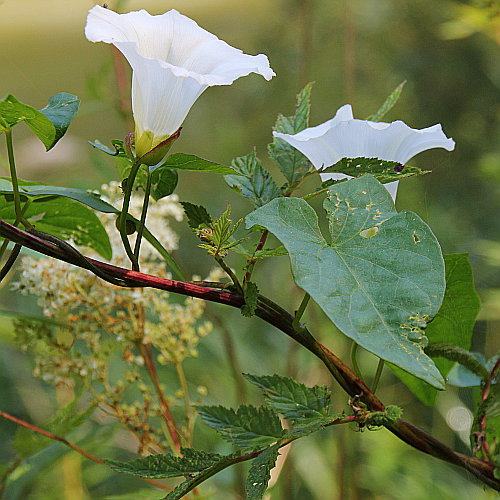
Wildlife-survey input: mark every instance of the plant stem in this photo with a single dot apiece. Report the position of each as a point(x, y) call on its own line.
point(10, 261)
point(129, 185)
point(142, 222)
point(253, 260)
point(13, 177)
point(230, 273)
point(378, 373)
point(300, 311)
point(354, 362)
point(185, 392)
point(274, 315)
point(146, 353)
point(71, 445)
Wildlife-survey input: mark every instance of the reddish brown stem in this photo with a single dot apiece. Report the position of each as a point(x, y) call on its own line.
point(165, 407)
point(73, 446)
point(281, 319)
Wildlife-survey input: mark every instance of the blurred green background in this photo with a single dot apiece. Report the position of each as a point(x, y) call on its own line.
point(355, 51)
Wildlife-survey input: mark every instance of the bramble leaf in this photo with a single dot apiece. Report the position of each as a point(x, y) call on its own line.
point(251, 295)
point(247, 427)
point(380, 278)
point(292, 399)
point(383, 170)
point(292, 162)
point(388, 103)
point(260, 473)
point(252, 180)
point(197, 215)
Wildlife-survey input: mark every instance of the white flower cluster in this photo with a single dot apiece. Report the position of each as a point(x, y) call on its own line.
point(92, 319)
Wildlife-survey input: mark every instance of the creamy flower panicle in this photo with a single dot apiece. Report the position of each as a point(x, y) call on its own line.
point(346, 137)
point(173, 62)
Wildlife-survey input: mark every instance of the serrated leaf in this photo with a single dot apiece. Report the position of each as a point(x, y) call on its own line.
point(251, 295)
point(293, 164)
point(13, 112)
point(382, 272)
point(66, 419)
point(383, 170)
point(260, 473)
point(248, 427)
point(191, 483)
point(293, 399)
point(182, 161)
point(388, 103)
point(197, 215)
point(252, 180)
point(61, 110)
point(65, 219)
point(302, 428)
point(164, 466)
point(454, 322)
point(163, 181)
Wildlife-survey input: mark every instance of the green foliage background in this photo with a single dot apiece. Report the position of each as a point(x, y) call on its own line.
point(357, 52)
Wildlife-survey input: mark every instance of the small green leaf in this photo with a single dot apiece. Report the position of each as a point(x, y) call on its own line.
point(164, 466)
point(292, 399)
point(65, 219)
point(292, 162)
point(260, 473)
point(453, 324)
point(181, 161)
point(248, 427)
point(251, 294)
point(376, 290)
point(123, 166)
point(383, 170)
point(302, 428)
point(163, 181)
point(252, 180)
point(197, 215)
point(119, 149)
point(13, 111)
point(388, 103)
point(61, 110)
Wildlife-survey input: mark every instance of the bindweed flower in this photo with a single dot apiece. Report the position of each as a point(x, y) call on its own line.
point(346, 137)
point(173, 62)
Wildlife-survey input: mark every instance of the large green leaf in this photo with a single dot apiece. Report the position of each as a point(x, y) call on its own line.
point(379, 279)
point(292, 162)
point(454, 322)
point(65, 219)
point(252, 180)
point(61, 110)
point(292, 399)
point(13, 112)
point(248, 427)
point(260, 473)
point(49, 124)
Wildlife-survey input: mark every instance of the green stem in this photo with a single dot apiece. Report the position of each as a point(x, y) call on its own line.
point(142, 222)
point(300, 310)
point(13, 176)
point(230, 273)
point(355, 366)
point(124, 215)
point(185, 393)
point(10, 261)
point(378, 373)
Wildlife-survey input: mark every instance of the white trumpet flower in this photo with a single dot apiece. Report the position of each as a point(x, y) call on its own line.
point(346, 137)
point(173, 62)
